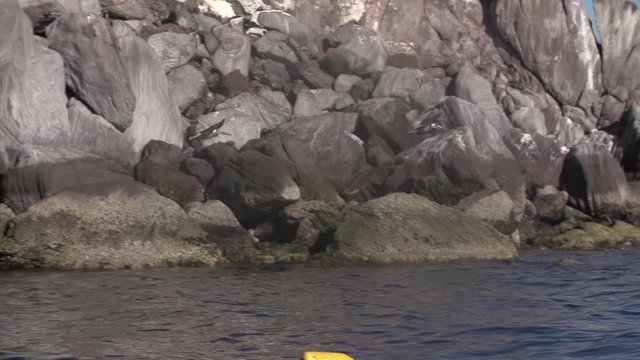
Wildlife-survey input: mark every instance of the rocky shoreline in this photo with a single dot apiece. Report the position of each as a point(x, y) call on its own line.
point(154, 133)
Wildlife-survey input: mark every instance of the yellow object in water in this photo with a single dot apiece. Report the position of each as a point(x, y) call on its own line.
point(318, 355)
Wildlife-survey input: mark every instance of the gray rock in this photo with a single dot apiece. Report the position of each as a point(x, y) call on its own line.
point(42, 12)
point(474, 88)
point(95, 135)
point(306, 104)
point(239, 127)
point(123, 225)
point(620, 28)
point(173, 49)
point(186, 85)
point(563, 44)
point(156, 171)
point(32, 88)
point(218, 154)
point(6, 215)
point(344, 102)
point(594, 180)
point(429, 94)
point(314, 77)
point(254, 185)
point(93, 66)
point(328, 142)
point(156, 116)
point(128, 10)
point(198, 168)
point(234, 51)
point(550, 203)
point(277, 98)
point(272, 73)
point(358, 51)
point(409, 228)
point(268, 114)
point(386, 118)
point(404, 84)
point(221, 225)
point(280, 21)
point(540, 158)
point(612, 110)
point(344, 82)
point(464, 156)
point(273, 46)
point(529, 120)
point(378, 151)
point(40, 172)
point(494, 207)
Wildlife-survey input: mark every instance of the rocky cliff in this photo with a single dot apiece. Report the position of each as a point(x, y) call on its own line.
point(274, 118)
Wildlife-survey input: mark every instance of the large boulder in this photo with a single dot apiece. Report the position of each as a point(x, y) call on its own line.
point(32, 85)
point(159, 168)
point(595, 181)
point(409, 228)
point(119, 225)
point(562, 44)
point(386, 118)
point(620, 31)
point(221, 225)
point(186, 85)
point(94, 69)
point(463, 154)
point(254, 185)
point(156, 116)
point(357, 50)
point(40, 172)
point(328, 142)
point(95, 135)
point(414, 87)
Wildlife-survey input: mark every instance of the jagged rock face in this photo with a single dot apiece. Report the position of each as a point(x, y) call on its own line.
point(408, 228)
point(595, 181)
point(32, 95)
point(619, 24)
point(156, 116)
point(94, 69)
point(552, 38)
point(386, 118)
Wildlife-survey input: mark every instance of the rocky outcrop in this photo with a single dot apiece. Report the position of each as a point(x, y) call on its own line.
point(562, 44)
point(93, 67)
point(408, 228)
point(122, 225)
point(620, 31)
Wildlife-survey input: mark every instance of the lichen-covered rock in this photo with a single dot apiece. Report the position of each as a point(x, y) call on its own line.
point(495, 207)
point(123, 225)
point(221, 225)
point(409, 228)
point(93, 67)
point(591, 236)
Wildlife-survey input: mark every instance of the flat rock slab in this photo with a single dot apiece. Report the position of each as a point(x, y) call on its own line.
point(409, 228)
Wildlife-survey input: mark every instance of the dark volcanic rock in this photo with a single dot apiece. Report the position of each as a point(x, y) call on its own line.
point(271, 72)
point(254, 185)
point(159, 168)
point(408, 228)
point(595, 181)
point(328, 141)
point(217, 154)
point(93, 66)
point(386, 118)
point(198, 168)
point(357, 51)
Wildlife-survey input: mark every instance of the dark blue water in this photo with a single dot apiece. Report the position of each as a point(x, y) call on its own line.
point(529, 308)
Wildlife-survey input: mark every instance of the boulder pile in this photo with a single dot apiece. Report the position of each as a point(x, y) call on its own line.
point(196, 132)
